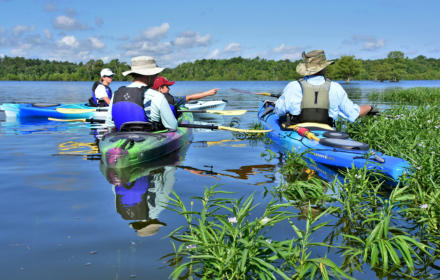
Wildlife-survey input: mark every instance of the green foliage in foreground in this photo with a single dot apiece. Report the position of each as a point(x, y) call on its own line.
point(223, 241)
point(394, 67)
point(412, 96)
point(364, 225)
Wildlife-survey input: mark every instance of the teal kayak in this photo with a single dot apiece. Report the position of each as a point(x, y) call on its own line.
point(331, 148)
point(45, 110)
point(122, 149)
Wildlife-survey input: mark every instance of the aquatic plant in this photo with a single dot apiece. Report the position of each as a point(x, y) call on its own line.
point(229, 244)
point(411, 96)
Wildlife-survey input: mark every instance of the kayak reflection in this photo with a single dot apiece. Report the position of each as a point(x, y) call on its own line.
point(142, 191)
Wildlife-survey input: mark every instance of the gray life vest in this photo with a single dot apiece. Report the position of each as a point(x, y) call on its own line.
point(315, 103)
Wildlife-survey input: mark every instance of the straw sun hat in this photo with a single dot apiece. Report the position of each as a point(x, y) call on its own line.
point(143, 65)
point(313, 62)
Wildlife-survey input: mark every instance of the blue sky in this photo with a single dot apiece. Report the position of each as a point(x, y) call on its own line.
point(182, 31)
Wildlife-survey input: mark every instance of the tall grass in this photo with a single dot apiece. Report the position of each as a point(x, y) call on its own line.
point(412, 96)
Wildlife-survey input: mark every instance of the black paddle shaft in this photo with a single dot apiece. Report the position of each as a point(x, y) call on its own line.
point(205, 126)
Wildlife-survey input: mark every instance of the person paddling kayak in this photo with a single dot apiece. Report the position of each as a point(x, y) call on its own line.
point(162, 85)
point(137, 102)
point(101, 91)
point(315, 98)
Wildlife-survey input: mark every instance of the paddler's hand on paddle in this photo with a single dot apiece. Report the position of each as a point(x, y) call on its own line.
point(373, 111)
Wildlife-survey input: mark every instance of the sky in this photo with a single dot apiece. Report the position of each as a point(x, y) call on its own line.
point(174, 32)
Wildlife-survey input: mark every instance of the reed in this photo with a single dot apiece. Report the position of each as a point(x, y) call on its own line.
point(411, 96)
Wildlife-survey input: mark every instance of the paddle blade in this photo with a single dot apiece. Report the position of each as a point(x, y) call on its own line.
point(234, 129)
point(66, 120)
point(227, 112)
point(265, 94)
point(74, 110)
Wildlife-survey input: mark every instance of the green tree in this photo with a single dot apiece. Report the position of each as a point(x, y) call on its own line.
point(346, 68)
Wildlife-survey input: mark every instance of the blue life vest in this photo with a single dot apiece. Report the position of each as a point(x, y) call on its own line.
point(128, 105)
point(175, 102)
point(99, 103)
point(131, 199)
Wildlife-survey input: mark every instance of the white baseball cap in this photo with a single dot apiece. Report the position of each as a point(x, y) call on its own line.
point(106, 72)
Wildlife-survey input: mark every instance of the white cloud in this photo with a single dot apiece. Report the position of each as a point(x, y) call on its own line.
point(288, 52)
point(20, 29)
point(96, 43)
point(213, 54)
point(232, 48)
point(369, 43)
point(191, 39)
point(21, 50)
point(374, 45)
point(68, 23)
point(68, 41)
point(156, 31)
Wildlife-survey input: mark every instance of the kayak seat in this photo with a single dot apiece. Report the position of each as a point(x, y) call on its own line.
point(127, 136)
point(44, 105)
point(137, 126)
point(344, 144)
point(335, 134)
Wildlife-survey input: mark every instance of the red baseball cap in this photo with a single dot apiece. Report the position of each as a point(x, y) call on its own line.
point(162, 81)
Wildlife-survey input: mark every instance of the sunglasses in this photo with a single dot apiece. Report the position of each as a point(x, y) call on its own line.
point(109, 77)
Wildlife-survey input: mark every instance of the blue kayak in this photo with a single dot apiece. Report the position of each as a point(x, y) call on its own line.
point(44, 110)
point(334, 149)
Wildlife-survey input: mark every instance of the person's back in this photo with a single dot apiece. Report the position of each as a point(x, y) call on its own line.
point(137, 102)
point(315, 98)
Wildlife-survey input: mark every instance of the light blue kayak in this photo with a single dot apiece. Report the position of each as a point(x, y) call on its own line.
point(44, 110)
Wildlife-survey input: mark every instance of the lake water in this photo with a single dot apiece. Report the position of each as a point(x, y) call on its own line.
point(62, 218)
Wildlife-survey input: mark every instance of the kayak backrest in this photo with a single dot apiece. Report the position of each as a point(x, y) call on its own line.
point(44, 105)
point(346, 144)
point(336, 134)
point(137, 126)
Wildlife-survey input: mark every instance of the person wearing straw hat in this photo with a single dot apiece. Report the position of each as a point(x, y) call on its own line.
point(101, 91)
point(137, 102)
point(314, 98)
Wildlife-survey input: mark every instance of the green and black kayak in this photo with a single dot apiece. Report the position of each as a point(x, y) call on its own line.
point(127, 148)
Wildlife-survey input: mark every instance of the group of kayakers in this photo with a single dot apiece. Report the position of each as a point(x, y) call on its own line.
point(146, 99)
point(312, 98)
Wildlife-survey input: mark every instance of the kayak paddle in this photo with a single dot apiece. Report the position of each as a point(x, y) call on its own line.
point(218, 112)
point(189, 125)
point(256, 93)
point(79, 111)
point(212, 127)
point(77, 120)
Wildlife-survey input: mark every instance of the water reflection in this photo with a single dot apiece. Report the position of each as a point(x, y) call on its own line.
point(142, 191)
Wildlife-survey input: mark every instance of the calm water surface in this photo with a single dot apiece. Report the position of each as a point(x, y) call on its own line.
point(65, 217)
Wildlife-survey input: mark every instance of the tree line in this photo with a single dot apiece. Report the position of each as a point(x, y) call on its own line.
point(394, 67)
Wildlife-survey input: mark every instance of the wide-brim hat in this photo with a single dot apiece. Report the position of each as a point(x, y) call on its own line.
point(143, 65)
point(313, 62)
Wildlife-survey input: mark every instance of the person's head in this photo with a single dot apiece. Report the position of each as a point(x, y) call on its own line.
point(162, 85)
point(314, 62)
point(144, 69)
point(106, 76)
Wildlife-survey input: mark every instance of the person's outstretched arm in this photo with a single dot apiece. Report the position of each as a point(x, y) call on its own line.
point(199, 95)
